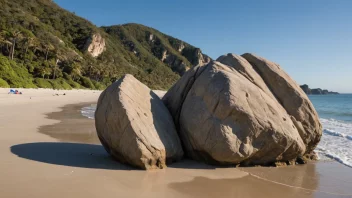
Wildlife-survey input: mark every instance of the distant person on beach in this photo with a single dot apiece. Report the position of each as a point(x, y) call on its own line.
point(14, 92)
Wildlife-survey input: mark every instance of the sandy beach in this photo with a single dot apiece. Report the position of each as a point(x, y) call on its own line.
point(49, 150)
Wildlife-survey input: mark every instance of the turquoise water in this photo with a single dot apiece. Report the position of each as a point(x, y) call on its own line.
point(335, 112)
point(337, 107)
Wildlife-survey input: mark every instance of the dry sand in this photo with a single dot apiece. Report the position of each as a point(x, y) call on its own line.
point(48, 149)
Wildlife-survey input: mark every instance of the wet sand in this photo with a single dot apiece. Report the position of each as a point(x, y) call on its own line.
point(73, 127)
point(54, 152)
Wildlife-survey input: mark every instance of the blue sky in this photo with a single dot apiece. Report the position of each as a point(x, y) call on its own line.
point(310, 39)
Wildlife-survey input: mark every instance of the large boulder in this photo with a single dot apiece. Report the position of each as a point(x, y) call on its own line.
point(291, 97)
point(135, 127)
point(242, 66)
point(227, 114)
point(175, 97)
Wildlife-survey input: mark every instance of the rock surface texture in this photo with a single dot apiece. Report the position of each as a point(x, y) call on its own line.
point(95, 45)
point(245, 110)
point(292, 98)
point(135, 127)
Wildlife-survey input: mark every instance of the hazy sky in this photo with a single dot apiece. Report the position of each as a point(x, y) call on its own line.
point(310, 39)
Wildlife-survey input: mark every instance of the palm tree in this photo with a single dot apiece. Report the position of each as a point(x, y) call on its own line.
point(43, 71)
point(4, 40)
point(48, 47)
point(56, 68)
point(12, 36)
point(29, 42)
point(76, 71)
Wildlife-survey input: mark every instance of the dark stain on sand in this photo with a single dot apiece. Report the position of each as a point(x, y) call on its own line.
point(73, 127)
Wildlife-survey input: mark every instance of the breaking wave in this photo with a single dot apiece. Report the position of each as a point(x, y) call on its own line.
point(336, 142)
point(88, 111)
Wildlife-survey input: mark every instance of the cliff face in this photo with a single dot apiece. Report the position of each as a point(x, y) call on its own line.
point(95, 45)
point(195, 56)
point(316, 91)
point(180, 66)
point(177, 65)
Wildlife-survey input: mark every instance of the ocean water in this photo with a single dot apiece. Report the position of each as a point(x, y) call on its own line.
point(89, 111)
point(335, 112)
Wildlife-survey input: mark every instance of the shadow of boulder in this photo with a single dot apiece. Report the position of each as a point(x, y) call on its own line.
point(68, 154)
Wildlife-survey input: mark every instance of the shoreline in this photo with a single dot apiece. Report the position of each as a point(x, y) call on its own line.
point(70, 117)
point(251, 175)
point(36, 164)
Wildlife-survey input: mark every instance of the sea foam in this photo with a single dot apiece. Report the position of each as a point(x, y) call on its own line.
point(336, 141)
point(89, 111)
point(337, 134)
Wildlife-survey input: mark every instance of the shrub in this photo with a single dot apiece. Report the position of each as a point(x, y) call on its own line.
point(63, 84)
point(106, 81)
point(98, 85)
point(4, 84)
point(71, 82)
point(59, 83)
point(75, 85)
point(66, 76)
point(16, 75)
point(43, 83)
point(56, 84)
point(86, 82)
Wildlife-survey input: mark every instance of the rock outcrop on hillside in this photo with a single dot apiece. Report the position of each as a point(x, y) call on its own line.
point(196, 57)
point(316, 91)
point(180, 66)
point(95, 45)
point(247, 110)
point(177, 65)
point(144, 41)
point(135, 127)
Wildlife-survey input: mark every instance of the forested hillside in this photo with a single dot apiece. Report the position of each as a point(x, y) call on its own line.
point(45, 46)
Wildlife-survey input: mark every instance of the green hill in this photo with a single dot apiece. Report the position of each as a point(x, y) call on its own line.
point(43, 45)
